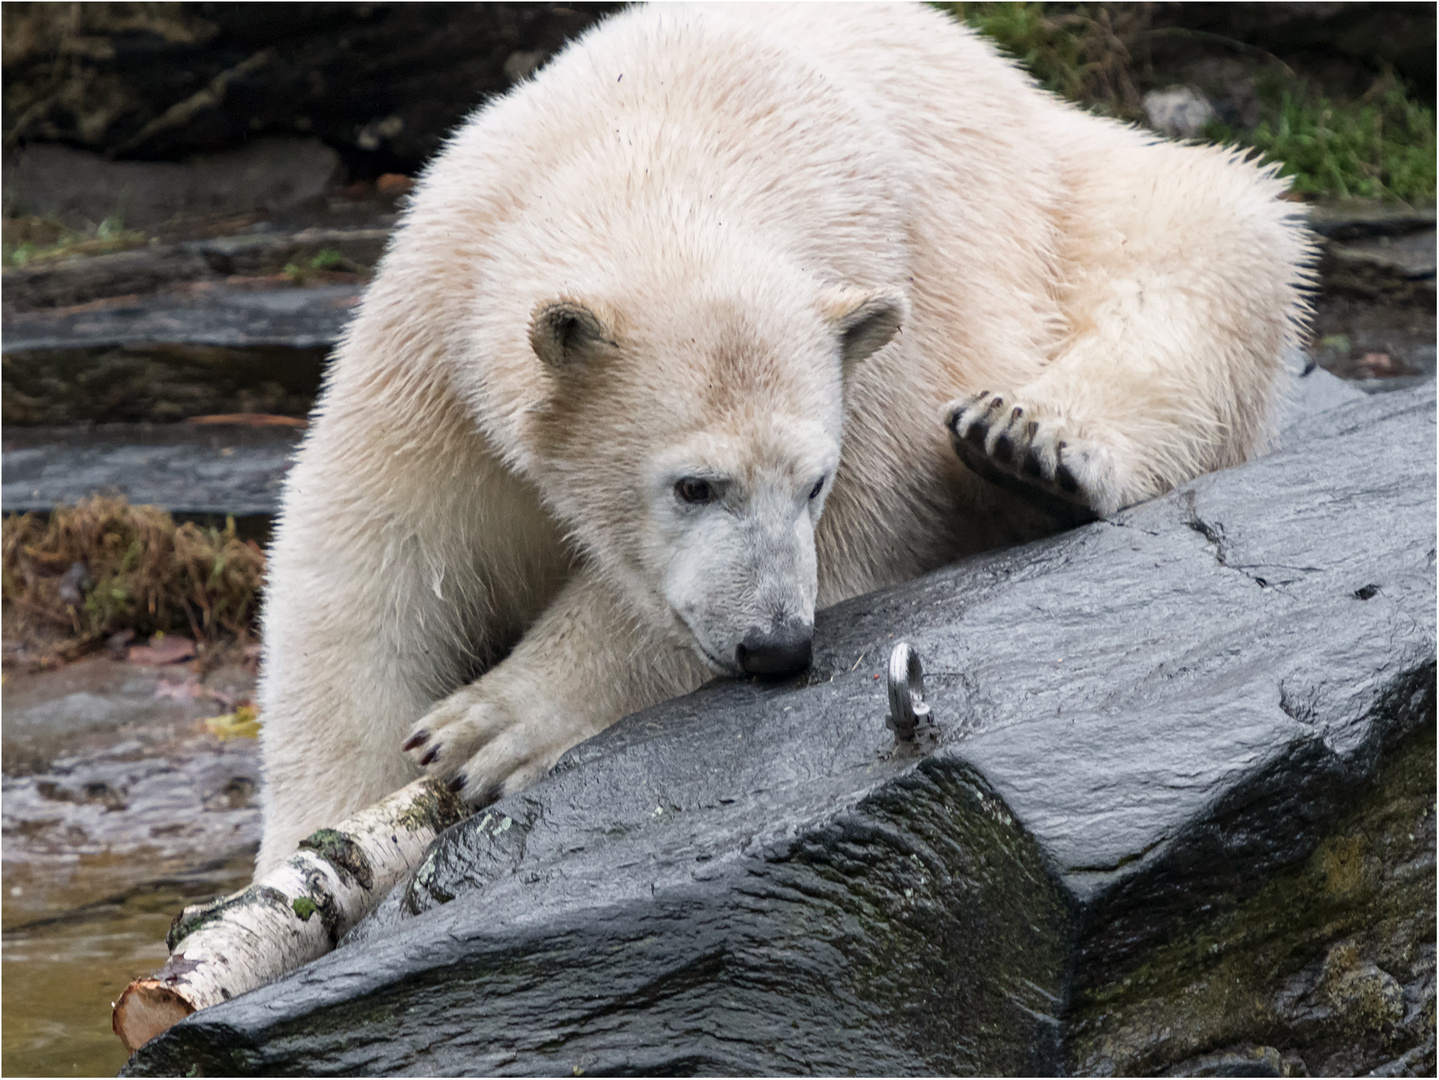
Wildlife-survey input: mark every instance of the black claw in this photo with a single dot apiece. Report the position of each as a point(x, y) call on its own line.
point(417, 739)
point(430, 755)
point(997, 403)
point(457, 783)
point(1003, 449)
point(1031, 429)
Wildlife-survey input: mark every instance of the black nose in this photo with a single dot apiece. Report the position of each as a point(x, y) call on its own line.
point(781, 650)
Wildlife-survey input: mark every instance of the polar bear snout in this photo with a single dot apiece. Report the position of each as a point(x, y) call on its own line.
point(782, 649)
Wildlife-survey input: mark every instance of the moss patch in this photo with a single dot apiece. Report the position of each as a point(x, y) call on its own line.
point(437, 809)
point(1315, 963)
point(342, 852)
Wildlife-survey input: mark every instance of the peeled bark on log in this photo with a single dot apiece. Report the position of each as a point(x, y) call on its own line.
point(294, 914)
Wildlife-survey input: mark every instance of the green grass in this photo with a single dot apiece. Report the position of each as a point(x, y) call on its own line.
point(30, 240)
point(327, 259)
point(1379, 146)
point(1078, 52)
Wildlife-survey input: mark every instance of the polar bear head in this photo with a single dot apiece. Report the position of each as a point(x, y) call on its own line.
point(689, 446)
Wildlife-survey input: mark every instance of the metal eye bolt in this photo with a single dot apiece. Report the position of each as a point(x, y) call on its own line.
point(908, 711)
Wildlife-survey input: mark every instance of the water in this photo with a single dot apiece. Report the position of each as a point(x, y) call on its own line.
point(119, 808)
point(62, 975)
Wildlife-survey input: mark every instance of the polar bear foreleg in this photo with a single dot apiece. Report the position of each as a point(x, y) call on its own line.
point(390, 582)
point(589, 660)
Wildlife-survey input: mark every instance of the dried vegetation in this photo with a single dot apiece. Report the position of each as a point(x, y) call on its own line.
point(85, 573)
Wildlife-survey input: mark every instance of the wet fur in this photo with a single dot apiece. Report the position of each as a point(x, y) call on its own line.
point(714, 186)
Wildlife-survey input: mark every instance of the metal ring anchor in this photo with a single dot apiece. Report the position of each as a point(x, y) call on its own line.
point(908, 712)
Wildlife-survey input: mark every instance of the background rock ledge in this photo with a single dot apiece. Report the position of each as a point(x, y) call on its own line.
point(1179, 818)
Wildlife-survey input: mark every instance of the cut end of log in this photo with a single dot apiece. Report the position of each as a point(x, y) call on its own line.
point(147, 1008)
point(295, 913)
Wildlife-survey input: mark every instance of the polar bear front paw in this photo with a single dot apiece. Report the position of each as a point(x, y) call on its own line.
point(482, 745)
point(1015, 446)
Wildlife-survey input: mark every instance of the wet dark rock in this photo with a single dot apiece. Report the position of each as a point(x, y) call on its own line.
point(1241, 1061)
point(1377, 252)
point(1179, 765)
point(1360, 219)
point(157, 383)
point(81, 188)
point(1393, 268)
point(296, 318)
point(180, 467)
point(1368, 37)
point(59, 283)
point(55, 283)
point(382, 84)
point(1374, 322)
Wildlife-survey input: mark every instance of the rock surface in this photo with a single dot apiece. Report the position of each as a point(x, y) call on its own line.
point(79, 188)
point(219, 315)
point(181, 467)
point(154, 383)
point(381, 83)
point(110, 780)
point(1378, 36)
point(62, 283)
point(1175, 781)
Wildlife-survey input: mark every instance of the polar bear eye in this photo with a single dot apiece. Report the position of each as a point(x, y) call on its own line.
point(818, 487)
point(694, 490)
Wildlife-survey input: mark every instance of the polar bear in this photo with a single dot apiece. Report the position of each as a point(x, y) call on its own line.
point(679, 339)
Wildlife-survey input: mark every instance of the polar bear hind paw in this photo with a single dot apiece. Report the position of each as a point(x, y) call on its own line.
point(479, 747)
point(1015, 446)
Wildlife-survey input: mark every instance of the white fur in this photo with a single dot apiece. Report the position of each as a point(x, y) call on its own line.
point(740, 203)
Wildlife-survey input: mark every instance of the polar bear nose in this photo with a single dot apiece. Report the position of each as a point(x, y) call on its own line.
point(781, 650)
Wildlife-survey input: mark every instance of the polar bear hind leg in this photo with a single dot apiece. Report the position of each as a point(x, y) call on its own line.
point(1178, 287)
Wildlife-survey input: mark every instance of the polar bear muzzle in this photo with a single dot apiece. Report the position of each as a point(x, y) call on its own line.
point(783, 649)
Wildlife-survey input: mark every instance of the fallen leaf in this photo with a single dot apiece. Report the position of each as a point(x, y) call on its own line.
point(1378, 363)
point(163, 649)
point(185, 691)
point(243, 723)
point(393, 184)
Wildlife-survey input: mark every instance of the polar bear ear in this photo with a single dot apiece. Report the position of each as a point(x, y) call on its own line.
point(565, 332)
point(866, 321)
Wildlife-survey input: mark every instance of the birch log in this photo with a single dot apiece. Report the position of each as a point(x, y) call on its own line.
point(296, 913)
